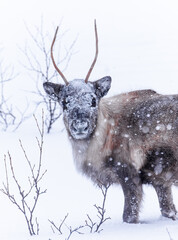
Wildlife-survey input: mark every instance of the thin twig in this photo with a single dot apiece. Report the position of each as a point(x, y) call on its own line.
point(75, 230)
point(8, 114)
point(94, 226)
point(39, 63)
point(60, 226)
point(90, 224)
point(169, 234)
point(25, 204)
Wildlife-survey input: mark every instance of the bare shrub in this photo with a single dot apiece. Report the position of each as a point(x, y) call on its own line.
point(71, 230)
point(96, 226)
point(93, 226)
point(37, 54)
point(7, 115)
point(26, 199)
point(11, 116)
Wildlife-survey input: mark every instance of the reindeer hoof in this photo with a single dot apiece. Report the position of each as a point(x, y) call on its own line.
point(130, 219)
point(172, 215)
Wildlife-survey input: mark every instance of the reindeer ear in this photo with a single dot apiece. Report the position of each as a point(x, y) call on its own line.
point(53, 90)
point(102, 86)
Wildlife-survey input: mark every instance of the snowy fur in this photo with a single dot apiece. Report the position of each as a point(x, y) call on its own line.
point(129, 139)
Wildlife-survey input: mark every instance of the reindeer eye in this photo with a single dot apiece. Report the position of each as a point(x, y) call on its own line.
point(64, 104)
point(93, 103)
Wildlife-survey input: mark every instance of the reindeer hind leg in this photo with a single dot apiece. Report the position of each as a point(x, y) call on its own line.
point(166, 201)
point(158, 171)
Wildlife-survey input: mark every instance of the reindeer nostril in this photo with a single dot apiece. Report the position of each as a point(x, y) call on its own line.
point(80, 126)
point(86, 125)
point(75, 128)
point(86, 128)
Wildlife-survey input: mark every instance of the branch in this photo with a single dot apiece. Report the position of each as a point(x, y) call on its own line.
point(169, 234)
point(25, 204)
point(39, 63)
point(94, 226)
point(60, 226)
point(89, 223)
point(75, 230)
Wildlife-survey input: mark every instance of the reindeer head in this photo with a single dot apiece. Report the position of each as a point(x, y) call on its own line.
point(79, 99)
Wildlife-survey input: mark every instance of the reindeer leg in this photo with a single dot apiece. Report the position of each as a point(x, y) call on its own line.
point(166, 201)
point(132, 188)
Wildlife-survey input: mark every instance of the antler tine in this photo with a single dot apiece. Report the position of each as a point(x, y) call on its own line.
point(60, 73)
point(96, 54)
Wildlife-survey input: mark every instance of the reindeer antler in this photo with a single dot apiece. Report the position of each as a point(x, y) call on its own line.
point(60, 73)
point(96, 54)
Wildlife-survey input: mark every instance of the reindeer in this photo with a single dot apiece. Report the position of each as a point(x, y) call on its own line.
point(129, 139)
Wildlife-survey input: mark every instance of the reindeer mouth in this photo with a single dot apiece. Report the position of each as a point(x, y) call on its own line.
point(79, 129)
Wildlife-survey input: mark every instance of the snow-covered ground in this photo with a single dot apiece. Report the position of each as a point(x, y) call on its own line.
point(138, 48)
point(69, 192)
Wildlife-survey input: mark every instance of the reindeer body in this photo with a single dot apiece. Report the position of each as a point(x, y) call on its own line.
point(128, 131)
point(111, 138)
point(133, 140)
point(129, 139)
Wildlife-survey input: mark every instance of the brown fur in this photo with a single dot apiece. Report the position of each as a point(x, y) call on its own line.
point(129, 139)
point(118, 152)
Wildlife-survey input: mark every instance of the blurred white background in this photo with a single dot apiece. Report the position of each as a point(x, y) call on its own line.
point(138, 40)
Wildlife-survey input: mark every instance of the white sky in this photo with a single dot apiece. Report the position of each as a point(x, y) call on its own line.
point(138, 39)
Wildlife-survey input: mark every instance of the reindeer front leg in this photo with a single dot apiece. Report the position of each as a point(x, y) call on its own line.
point(132, 188)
